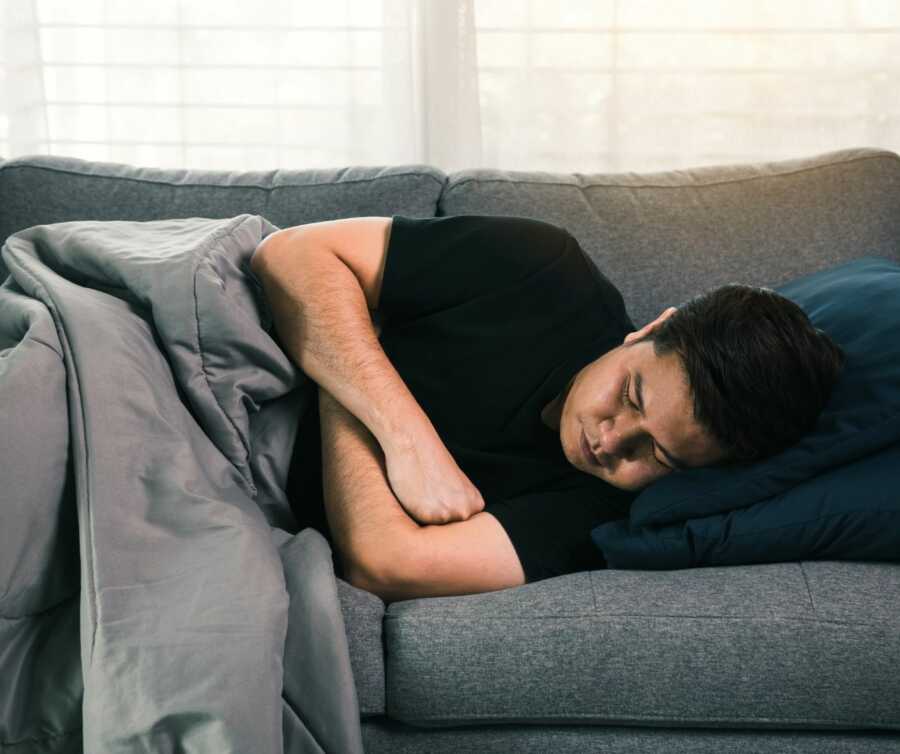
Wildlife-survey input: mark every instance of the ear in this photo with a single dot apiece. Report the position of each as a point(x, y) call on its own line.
point(650, 326)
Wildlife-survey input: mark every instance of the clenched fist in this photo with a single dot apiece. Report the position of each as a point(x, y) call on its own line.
point(428, 483)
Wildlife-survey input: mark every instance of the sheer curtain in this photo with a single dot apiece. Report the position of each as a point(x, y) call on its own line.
point(557, 85)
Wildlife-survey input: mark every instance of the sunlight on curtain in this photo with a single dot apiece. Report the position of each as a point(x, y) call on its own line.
point(586, 85)
point(639, 85)
point(23, 113)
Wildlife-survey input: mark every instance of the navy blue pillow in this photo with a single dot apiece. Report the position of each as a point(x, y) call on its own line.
point(849, 513)
point(858, 305)
point(834, 494)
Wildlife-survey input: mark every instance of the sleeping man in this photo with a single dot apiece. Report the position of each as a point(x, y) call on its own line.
point(484, 400)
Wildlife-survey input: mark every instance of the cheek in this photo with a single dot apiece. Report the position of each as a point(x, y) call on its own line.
point(636, 476)
point(595, 401)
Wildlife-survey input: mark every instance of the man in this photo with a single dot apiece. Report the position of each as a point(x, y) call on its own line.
point(510, 406)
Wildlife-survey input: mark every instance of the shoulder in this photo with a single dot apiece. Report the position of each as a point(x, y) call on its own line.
point(487, 227)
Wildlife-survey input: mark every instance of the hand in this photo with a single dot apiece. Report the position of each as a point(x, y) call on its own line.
point(423, 476)
point(429, 484)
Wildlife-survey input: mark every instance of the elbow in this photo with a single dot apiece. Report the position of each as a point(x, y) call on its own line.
point(357, 574)
point(386, 572)
point(371, 581)
point(367, 582)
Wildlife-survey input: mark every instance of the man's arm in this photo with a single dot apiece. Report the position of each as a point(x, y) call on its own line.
point(385, 551)
point(320, 281)
point(366, 521)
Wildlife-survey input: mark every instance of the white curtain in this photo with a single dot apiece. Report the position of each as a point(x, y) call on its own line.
point(556, 85)
point(23, 107)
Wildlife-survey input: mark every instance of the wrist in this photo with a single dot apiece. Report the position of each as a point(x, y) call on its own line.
point(404, 433)
point(396, 430)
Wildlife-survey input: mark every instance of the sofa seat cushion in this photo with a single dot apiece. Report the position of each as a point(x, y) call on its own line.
point(363, 615)
point(805, 644)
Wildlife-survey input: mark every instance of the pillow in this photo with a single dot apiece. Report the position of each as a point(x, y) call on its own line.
point(849, 513)
point(858, 304)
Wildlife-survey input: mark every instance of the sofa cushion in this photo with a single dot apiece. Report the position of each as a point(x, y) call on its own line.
point(363, 613)
point(809, 645)
point(40, 189)
point(664, 237)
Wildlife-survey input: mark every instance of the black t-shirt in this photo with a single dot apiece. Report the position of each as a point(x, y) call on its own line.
point(486, 318)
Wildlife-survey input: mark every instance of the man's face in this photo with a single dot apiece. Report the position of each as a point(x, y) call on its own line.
point(601, 406)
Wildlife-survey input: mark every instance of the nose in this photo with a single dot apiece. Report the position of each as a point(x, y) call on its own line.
point(619, 437)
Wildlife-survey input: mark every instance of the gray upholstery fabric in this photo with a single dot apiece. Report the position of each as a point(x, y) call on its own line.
point(385, 736)
point(663, 237)
point(47, 189)
point(811, 645)
point(363, 615)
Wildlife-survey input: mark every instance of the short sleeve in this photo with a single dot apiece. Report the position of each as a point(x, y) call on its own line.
point(551, 530)
point(436, 263)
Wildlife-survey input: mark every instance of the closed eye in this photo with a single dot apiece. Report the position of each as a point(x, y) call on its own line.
point(633, 405)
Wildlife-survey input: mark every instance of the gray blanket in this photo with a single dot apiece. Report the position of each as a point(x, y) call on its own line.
point(156, 595)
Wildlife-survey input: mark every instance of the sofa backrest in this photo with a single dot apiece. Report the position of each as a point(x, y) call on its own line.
point(664, 237)
point(38, 189)
point(660, 237)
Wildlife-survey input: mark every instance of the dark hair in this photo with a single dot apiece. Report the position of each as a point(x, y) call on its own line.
point(759, 372)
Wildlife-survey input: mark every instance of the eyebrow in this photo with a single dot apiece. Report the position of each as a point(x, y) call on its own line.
point(638, 389)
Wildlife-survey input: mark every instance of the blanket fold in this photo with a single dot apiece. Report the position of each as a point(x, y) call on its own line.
point(142, 397)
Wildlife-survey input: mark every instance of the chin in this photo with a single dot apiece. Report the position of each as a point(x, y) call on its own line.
point(618, 485)
point(628, 487)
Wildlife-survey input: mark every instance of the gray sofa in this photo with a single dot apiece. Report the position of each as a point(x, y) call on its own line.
point(786, 657)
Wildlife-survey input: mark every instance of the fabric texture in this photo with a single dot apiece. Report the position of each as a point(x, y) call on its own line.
point(486, 318)
point(388, 737)
point(832, 495)
point(72, 189)
point(664, 237)
point(774, 646)
point(170, 448)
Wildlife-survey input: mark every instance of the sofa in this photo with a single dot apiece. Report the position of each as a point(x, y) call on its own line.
point(796, 656)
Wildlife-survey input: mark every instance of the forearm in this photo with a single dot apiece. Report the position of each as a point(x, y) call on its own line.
point(323, 321)
point(367, 524)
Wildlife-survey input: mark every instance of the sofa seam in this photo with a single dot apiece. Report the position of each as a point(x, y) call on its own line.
point(620, 717)
point(330, 184)
point(886, 153)
point(812, 604)
point(445, 618)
